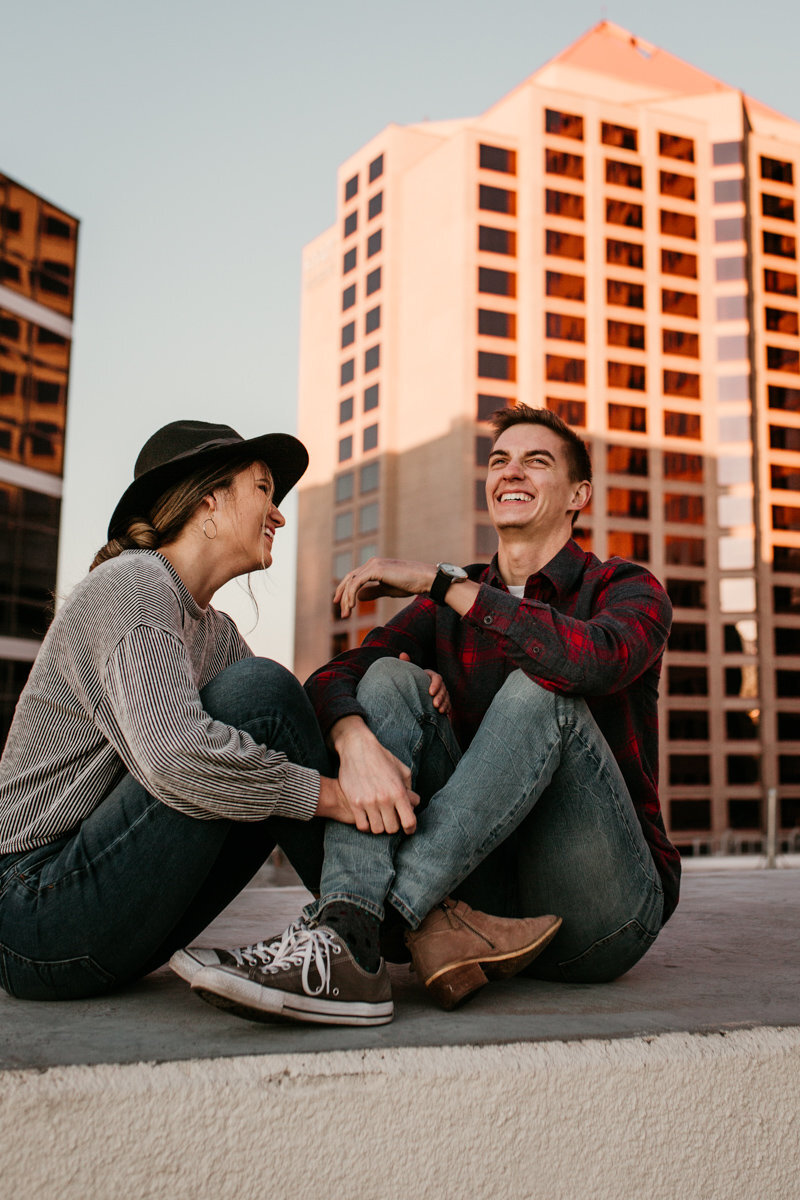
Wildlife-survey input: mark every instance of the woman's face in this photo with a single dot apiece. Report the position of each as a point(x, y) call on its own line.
point(250, 518)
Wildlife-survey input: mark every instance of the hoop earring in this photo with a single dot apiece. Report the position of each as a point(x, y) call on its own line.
point(210, 521)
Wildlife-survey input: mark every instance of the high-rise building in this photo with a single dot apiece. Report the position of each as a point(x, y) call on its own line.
point(38, 245)
point(615, 239)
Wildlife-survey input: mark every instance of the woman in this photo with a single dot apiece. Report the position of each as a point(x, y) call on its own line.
point(153, 762)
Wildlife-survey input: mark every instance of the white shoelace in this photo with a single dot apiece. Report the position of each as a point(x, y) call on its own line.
point(304, 947)
point(260, 954)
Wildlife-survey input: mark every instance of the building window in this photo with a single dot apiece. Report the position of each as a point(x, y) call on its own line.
point(780, 244)
point(342, 563)
point(675, 224)
point(622, 543)
point(728, 191)
point(781, 208)
point(788, 728)
point(368, 518)
point(781, 320)
point(345, 410)
point(497, 158)
point(627, 460)
point(371, 397)
point(624, 294)
point(344, 487)
point(670, 183)
point(348, 334)
point(565, 245)
point(777, 169)
point(624, 254)
point(687, 593)
point(480, 496)
point(621, 333)
point(345, 448)
point(688, 638)
point(689, 815)
point(347, 371)
point(781, 358)
point(563, 124)
point(785, 437)
point(370, 438)
point(568, 287)
point(351, 188)
point(780, 282)
point(729, 269)
point(786, 599)
point(626, 375)
point(489, 405)
point(725, 154)
point(372, 358)
point(497, 241)
point(675, 262)
point(497, 283)
point(375, 206)
point(557, 162)
point(684, 551)
point(623, 174)
point(564, 204)
point(351, 223)
point(624, 212)
point(688, 725)
point(497, 366)
point(369, 477)
point(343, 526)
point(678, 341)
point(565, 370)
point(374, 242)
point(627, 416)
point(731, 308)
point(628, 502)
point(495, 199)
point(785, 398)
point(376, 168)
point(786, 558)
point(787, 640)
point(786, 518)
point(681, 508)
point(689, 770)
point(687, 681)
point(682, 425)
point(349, 261)
point(729, 229)
point(348, 297)
point(372, 321)
point(483, 448)
point(673, 145)
point(497, 324)
point(619, 135)
point(569, 329)
point(373, 281)
point(688, 467)
point(680, 304)
point(367, 551)
point(571, 411)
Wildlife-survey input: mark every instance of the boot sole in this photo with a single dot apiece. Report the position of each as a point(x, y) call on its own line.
point(253, 1002)
point(454, 983)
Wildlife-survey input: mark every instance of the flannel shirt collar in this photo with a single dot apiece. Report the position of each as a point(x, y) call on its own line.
point(563, 571)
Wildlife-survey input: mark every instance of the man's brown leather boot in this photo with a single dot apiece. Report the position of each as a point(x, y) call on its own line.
point(456, 950)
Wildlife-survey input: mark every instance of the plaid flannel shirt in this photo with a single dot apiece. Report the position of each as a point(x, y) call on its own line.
point(585, 627)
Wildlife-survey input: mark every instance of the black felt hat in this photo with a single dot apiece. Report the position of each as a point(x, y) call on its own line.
point(180, 448)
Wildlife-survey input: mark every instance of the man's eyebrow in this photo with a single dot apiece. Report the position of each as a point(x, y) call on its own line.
point(527, 454)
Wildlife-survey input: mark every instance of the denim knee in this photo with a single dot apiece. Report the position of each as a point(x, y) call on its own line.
point(390, 676)
point(250, 687)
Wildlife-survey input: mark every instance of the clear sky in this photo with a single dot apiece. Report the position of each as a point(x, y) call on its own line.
point(198, 144)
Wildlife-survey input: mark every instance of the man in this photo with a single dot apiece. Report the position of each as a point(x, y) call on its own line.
point(541, 796)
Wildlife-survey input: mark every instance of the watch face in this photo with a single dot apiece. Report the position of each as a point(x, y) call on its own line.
point(451, 570)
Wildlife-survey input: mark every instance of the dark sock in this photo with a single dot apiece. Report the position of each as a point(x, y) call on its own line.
point(358, 929)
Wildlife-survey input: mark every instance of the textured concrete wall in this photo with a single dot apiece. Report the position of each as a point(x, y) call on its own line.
point(672, 1116)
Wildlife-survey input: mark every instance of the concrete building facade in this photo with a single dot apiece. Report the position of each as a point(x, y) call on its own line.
point(615, 239)
point(38, 249)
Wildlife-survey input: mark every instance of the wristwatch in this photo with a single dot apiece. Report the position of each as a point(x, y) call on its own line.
point(446, 573)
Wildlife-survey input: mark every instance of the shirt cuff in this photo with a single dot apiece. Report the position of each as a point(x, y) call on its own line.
point(493, 611)
point(300, 793)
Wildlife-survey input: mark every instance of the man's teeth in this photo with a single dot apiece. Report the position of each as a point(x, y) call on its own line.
point(514, 496)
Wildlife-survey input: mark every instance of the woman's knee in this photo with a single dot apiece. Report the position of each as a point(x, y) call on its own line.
point(249, 687)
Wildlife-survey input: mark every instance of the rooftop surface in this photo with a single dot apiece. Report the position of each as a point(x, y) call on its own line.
point(727, 960)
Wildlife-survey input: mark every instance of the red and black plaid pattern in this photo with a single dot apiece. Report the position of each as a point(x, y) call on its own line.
point(585, 628)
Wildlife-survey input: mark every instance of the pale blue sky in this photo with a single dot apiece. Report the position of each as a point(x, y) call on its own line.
point(198, 144)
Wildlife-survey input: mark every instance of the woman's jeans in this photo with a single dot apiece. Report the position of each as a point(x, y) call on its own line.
point(138, 880)
point(534, 818)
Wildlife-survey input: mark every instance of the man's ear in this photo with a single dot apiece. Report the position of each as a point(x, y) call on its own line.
point(581, 496)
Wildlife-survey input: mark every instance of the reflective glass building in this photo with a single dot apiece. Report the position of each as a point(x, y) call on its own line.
point(38, 247)
point(615, 239)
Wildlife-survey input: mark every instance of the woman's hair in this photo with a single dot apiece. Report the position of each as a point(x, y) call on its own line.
point(172, 510)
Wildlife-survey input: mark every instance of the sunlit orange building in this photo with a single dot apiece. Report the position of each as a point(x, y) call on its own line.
point(616, 239)
point(38, 246)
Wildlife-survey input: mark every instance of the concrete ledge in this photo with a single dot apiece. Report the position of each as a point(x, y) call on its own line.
point(677, 1115)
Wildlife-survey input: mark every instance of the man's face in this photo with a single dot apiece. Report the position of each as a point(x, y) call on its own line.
point(528, 485)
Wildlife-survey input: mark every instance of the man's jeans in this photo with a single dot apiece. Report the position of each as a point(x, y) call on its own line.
point(534, 818)
point(138, 879)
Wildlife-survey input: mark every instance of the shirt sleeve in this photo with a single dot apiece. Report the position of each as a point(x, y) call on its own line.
point(332, 689)
point(625, 635)
point(152, 715)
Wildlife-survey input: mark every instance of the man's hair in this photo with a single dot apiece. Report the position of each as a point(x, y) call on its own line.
point(580, 464)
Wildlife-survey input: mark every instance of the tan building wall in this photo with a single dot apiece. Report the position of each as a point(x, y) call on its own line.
point(615, 239)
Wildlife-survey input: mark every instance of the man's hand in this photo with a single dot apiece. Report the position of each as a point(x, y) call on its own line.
point(438, 689)
point(375, 784)
point(383, 577)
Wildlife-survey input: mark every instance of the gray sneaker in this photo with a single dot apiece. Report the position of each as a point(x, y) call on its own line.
point(311, 976)
point(189, 961)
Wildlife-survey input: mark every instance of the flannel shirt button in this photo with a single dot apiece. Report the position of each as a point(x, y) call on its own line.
point(487, 620)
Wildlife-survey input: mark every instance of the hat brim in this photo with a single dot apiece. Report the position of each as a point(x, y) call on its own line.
point(286, 457)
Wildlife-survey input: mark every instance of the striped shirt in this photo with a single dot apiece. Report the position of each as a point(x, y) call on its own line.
point(115, 688)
